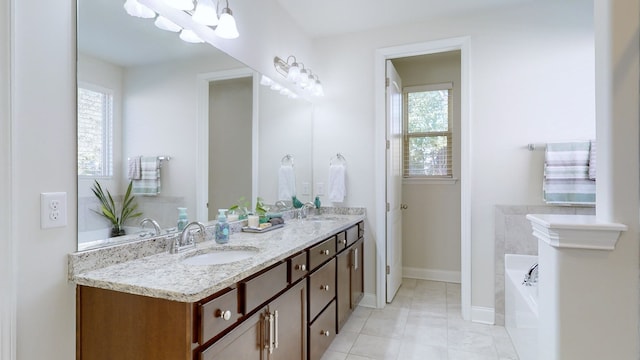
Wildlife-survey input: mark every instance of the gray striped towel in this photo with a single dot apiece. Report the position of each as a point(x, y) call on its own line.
point(566, 174)
point(149, 182)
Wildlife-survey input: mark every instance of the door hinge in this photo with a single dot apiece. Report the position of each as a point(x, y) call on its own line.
point(388, 144)
point(388, 270)
point(386, 82)
point(388, 207)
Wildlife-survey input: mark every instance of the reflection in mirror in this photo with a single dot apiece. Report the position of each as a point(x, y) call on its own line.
point(151, 79)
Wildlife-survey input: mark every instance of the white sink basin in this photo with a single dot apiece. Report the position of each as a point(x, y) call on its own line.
point(218, 257)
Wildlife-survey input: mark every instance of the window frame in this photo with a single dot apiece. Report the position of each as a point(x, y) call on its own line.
point(450, 134)
point(108, 135)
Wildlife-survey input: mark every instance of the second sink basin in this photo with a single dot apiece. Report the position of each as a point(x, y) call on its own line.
point(218, 257)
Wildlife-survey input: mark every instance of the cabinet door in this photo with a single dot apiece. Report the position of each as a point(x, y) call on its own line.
point(243, 343)
point(343, 288)
point(357, 272)
point(289, 340)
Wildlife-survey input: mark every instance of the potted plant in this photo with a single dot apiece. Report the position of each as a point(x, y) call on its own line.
point(240, 208)
point(108, 208)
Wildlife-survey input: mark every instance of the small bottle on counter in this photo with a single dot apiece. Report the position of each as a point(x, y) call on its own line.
point(222, 228)
point(182, 218)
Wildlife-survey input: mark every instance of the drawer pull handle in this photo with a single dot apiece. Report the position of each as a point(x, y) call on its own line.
point(343, 241)
point(301, 267)
point(324, 252)
point(224, 315)
point(324, 287)
point(325, 332)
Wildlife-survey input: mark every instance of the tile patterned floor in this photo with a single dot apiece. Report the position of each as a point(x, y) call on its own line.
point(424, 322)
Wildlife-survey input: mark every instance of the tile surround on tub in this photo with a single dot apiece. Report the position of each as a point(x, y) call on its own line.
point(513, 235)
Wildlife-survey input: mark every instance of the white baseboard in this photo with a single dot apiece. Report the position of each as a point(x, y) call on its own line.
point(483, 315)
point(368, 300)
point(430, 274)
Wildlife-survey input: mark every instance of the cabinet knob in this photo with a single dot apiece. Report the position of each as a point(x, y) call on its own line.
point(301, 267)
point(325, 332)
point(343, 241)
point(224, 315)
point(324, 287)
point(324, 252)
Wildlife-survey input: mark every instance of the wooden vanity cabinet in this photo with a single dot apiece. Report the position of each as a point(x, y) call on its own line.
point(349, 277)
point(276, 331)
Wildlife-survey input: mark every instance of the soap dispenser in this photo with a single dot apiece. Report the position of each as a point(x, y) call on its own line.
point(182, 218)
point(222, 228)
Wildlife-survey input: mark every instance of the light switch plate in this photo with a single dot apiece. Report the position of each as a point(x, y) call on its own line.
point(320, 188)
point(306, 188)
point(53, 210)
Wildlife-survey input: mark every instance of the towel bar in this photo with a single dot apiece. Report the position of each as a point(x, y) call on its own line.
point(338, 157)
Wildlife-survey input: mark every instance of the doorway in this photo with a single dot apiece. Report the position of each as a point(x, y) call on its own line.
point(382, 55)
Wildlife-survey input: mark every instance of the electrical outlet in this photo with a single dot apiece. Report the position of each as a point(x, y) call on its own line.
point(306, 188)
point(319, 188)
point(53, 210)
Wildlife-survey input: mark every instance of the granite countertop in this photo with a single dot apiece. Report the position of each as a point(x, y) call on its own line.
point(164, 275)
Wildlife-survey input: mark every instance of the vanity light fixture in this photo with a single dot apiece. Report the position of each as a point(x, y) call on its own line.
point(205, 13)
point(299, 75)
point(266, 81)
point(166, 24)
point(227, 28)
point(134, 8)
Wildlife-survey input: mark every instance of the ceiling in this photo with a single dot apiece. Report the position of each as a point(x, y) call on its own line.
point(107, 32)
point(320, 18)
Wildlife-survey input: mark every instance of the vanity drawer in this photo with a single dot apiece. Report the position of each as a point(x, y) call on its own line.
point(322, 252)
point(217, 314)
point(341, 241)
point(298, 267)
point(322, 332)
point(322, 288)
point(352, 234)
point(259, 288)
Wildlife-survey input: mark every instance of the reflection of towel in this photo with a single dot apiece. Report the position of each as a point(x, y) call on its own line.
point(134, 168)
point(566, 174)
point(286, 182)
point(149, 182)
point(592, 160)
point(337, 184)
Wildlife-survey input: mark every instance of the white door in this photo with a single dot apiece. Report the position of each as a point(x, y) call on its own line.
point(394, 181)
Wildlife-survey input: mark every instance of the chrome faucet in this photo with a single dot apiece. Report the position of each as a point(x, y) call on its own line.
point(185, 240)
point(531, 277)
point(281, 205)
point(154, 223)
point(304, 210)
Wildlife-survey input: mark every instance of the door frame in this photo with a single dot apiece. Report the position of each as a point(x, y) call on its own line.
point(430, 47)
point(202, 155)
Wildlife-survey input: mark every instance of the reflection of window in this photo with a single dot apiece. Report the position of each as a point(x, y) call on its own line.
point(428, 133)
point(95, 128)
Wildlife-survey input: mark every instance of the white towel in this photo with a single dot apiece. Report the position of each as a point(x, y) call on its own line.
point(286, 182)
point(592, 160)
point(134, 168)
point(337, 183)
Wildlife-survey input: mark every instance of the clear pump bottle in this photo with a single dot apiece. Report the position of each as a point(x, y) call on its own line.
point(222, 228)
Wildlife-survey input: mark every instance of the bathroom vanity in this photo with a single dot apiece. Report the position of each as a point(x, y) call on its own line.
point(286, 302)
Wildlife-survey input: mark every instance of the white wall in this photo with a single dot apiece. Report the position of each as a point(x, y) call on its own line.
point(43, 155)
point(532, 80)
point(431, 222)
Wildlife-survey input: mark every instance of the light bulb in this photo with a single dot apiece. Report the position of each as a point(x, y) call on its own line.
point(294, 73)
point(166, 24)
point(227, 28)
point(205, 13)
point(134, 8)
point(318, 90)
point(304, 78)
point(266, 81)
point(190, 36)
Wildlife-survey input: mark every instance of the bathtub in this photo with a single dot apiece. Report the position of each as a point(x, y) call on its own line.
point(521, 306)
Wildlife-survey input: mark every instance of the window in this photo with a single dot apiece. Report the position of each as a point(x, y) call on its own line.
point(428, 133)
point(95, 132)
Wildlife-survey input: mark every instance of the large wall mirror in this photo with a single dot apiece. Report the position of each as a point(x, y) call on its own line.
point(220, 135)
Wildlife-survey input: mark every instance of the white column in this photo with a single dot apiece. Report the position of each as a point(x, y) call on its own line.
point(618, 185)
